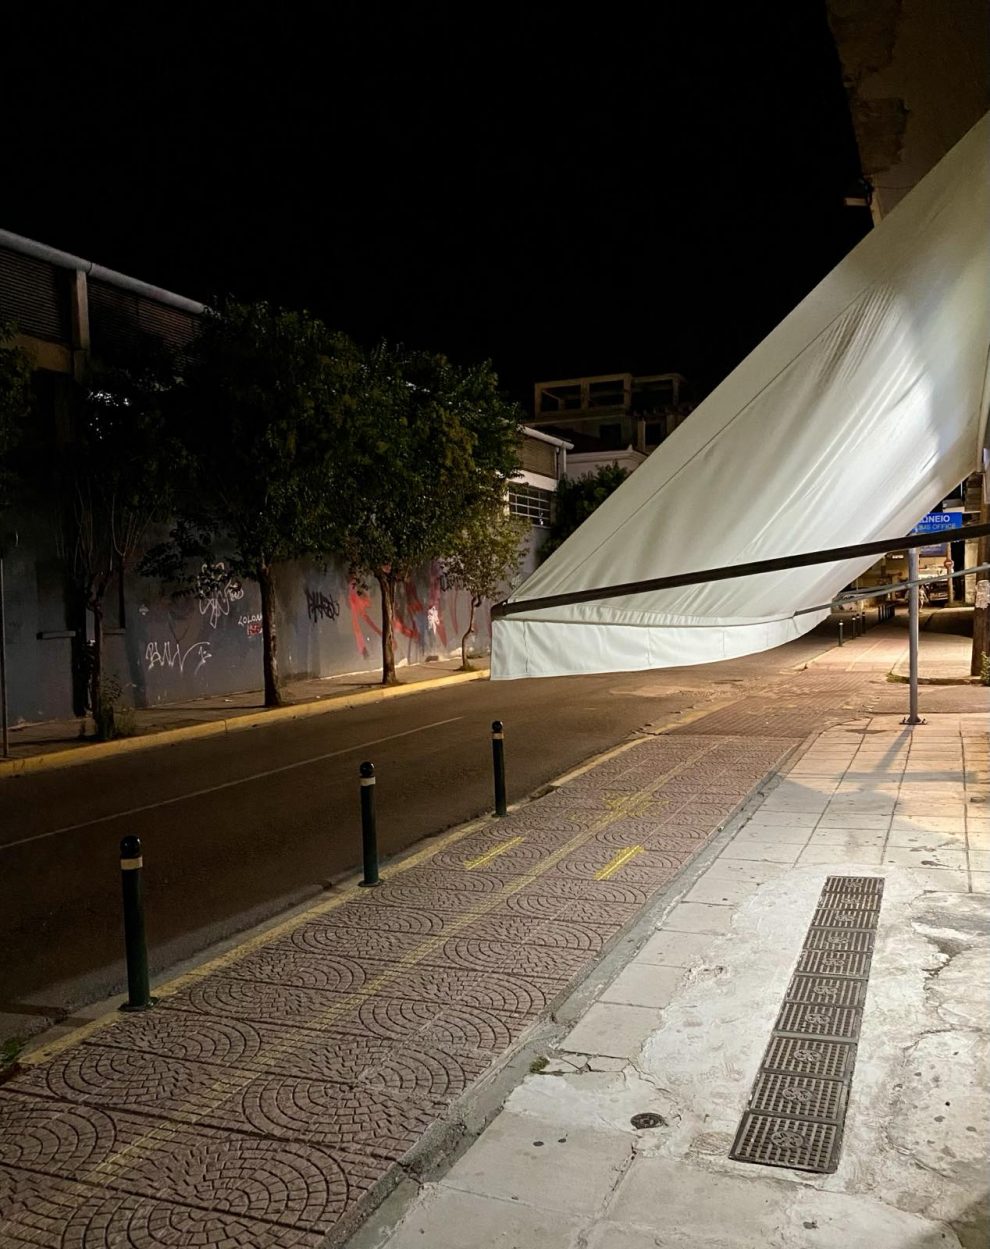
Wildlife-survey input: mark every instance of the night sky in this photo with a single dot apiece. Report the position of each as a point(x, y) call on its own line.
point(650, 189)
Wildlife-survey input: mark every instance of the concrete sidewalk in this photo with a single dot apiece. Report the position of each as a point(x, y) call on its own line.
point(680, 1032)
point(277, 1094)
point(943, 657)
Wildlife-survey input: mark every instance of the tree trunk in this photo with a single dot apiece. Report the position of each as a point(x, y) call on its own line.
point(95, 605)
point(386, 583)
point(981, 615)
point(465, 666)
point(269, 636)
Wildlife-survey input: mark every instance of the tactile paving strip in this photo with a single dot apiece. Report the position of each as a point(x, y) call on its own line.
point(797, 1108)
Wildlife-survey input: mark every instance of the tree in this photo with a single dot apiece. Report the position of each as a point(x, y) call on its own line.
point(485, 553)
point(113, 477)
point(575, 500)
point(265, 408)
point(435, 442)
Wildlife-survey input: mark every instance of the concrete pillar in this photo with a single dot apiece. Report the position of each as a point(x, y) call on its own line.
point(79, 311)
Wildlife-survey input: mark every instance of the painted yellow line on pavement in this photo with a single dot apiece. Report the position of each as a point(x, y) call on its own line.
point(347, 893)
point(622, 857)
point(227, 1086)
point(501, 848)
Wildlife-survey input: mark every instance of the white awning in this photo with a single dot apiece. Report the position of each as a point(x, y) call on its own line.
point(858, 414)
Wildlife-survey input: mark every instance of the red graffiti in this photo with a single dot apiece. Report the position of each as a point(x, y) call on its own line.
point(359, 601)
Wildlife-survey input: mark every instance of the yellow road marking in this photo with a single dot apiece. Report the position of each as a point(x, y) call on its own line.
point(622, 857)
point(501, 848)
point(347, 894)
point(226, 1086)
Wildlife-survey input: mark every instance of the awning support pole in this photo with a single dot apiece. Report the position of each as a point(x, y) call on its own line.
point(914, 596)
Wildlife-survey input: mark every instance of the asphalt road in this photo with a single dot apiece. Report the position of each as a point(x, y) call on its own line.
point(236, 829)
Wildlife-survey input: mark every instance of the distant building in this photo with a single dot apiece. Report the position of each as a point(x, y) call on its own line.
point(917, 77)
point(611, 417)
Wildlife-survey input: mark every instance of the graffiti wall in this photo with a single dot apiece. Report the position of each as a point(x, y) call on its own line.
point(165, 649)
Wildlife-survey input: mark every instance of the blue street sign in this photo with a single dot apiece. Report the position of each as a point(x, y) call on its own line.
point(936, 521)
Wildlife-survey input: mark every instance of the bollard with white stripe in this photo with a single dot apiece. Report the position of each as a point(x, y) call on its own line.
point(135, 945)
point(498, 766)
point(369, 829)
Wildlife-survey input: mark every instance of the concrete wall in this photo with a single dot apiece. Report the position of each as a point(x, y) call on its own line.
point(171, 650)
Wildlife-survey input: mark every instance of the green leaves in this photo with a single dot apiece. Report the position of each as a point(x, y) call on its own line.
point(266, 395)
point(431, 442)
point(575, 500)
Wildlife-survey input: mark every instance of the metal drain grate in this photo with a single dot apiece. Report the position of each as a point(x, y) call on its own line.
point(797, 1107)
point(829, 1059)
point(839, 939)
point(800, 1096)
point(833, 963)
point(826, 990)
point(778, 1142)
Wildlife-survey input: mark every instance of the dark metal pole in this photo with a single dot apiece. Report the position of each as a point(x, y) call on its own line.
point(840, 632)
point(135, 945)
point(498, 766)
point(913, 626)
point(802, 560)
point(369, 827)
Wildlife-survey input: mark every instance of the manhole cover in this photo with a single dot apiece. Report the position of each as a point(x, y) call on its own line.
point(648, 1120)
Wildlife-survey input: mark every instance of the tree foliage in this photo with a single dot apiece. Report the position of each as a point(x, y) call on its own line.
point(575, 499)
point(485, 553)
point(263, 414)
point(433, 443)
point(114, 477)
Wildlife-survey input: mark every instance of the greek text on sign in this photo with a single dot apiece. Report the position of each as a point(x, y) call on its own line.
point(935, 521)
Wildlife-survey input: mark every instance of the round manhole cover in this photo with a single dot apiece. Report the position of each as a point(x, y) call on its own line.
point(648, 1120)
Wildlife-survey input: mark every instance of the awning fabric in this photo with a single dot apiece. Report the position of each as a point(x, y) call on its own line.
point(861, 411)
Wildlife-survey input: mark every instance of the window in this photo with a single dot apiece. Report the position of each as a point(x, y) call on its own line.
point(530, 502)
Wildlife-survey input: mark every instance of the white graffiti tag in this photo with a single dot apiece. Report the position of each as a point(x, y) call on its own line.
point(171, 655)
point(216, 589)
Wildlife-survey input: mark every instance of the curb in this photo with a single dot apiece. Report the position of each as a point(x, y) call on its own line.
point(897, 678)
point(41, 1050)
point(98, 751)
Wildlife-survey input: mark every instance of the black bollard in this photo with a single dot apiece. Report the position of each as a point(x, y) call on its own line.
point(135, 946)
point(498, 766)
point(840, 632)
point(369, 830)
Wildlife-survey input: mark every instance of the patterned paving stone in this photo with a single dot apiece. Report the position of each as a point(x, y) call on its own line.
point(515, 860)
point(180, 1034)
point(257, 1105)
point(568, 800)
point(388, 1018)
point(48, 1213)
point(285, 1182)
point(509, 957)
point(286, 965)
point(38, 1135)
point(98, 1076)
point(437, 1073)
point(489, 991)
point(359, 1119)
point(257, 1001)
point(319, 937)
point(571, 890)
point(476, 1031)
point(369, 916)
